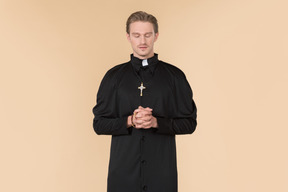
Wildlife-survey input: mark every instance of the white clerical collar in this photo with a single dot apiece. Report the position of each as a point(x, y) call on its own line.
point(144, 62)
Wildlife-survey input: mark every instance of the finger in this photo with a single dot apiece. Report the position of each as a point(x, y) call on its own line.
point(138, 115)
point(139, 109)
point(146, 113)
point(143, 121)
point(148, 109)
point(138, 121)
point(146, 125)
point(146, 118)
point(138, 126)
point(142, 113)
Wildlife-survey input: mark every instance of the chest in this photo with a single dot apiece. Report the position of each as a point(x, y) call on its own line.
point(157, 92)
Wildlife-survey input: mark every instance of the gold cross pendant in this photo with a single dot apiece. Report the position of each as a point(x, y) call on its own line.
point(141, 89)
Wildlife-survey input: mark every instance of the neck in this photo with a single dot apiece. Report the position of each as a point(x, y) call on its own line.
point(144, 57)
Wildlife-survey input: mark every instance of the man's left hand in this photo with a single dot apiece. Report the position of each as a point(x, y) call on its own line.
point(144, 119)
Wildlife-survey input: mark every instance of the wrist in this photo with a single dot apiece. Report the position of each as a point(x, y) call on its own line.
point(132, 123)
point(129, 123)
point(155, 123)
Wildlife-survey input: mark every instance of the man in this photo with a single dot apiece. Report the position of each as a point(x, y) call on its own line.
point(143, 104)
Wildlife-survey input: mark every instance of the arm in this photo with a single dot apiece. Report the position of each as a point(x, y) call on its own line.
point(108, 126)
point(184, 121)
point(173, 126)
point(106, 121)
point(143, 119)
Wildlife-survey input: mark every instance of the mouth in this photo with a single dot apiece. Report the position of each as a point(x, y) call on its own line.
point(143, 47)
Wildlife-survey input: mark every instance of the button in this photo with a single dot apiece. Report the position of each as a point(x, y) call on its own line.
point(143, 162)
point(143, 138)
point(145, 188)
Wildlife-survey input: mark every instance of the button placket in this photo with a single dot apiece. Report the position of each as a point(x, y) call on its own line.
point(143, 138)
point(143, 162)
point(144, 188)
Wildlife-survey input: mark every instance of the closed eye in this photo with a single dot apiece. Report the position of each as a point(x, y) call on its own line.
point(136, 35)
point(148, 34)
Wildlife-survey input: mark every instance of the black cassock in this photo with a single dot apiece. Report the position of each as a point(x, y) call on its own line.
point(144, 159)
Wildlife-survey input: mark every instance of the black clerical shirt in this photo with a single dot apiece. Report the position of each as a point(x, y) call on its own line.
point(144, 159)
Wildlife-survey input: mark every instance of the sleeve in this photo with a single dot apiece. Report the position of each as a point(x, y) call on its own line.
point(106, 121)
point(184, 121)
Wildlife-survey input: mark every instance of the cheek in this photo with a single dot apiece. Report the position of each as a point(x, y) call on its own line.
point(134, 42)
point(150, 41)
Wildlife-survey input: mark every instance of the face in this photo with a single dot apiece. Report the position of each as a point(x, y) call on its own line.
point(142, 38)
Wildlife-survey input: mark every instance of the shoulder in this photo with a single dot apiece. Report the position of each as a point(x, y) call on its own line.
point(116, 71)
point(117, 68)
point(179, 78)
point(112, 76)
point(172, 69)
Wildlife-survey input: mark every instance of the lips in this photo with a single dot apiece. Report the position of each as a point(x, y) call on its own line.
point(143, 47)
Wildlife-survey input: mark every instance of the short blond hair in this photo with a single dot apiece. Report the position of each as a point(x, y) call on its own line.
point(142, 16)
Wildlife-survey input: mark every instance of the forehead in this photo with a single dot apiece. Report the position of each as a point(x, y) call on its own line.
point(141, 27)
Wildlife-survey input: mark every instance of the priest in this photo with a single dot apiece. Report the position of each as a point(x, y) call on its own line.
point(143, 104)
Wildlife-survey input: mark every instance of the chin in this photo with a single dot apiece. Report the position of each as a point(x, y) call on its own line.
point(142, 54)
point(146, 54)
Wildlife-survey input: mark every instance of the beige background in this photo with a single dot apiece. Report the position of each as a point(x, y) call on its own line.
point(54, 53)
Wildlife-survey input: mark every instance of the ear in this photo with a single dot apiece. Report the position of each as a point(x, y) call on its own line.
point(128, 37)
point(156, 36)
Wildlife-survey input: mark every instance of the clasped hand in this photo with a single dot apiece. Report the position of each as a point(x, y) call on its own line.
point(143, 118)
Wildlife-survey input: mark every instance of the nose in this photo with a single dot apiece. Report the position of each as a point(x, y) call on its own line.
point(143, 40)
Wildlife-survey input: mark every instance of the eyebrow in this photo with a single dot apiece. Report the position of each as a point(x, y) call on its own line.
point(135, 33)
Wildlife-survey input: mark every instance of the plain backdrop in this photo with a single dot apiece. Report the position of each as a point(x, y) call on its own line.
point(54, 53)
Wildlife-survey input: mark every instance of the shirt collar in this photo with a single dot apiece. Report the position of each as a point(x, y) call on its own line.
point(152, 63)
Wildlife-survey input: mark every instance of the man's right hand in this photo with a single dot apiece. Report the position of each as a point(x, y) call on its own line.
point(143, 118)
